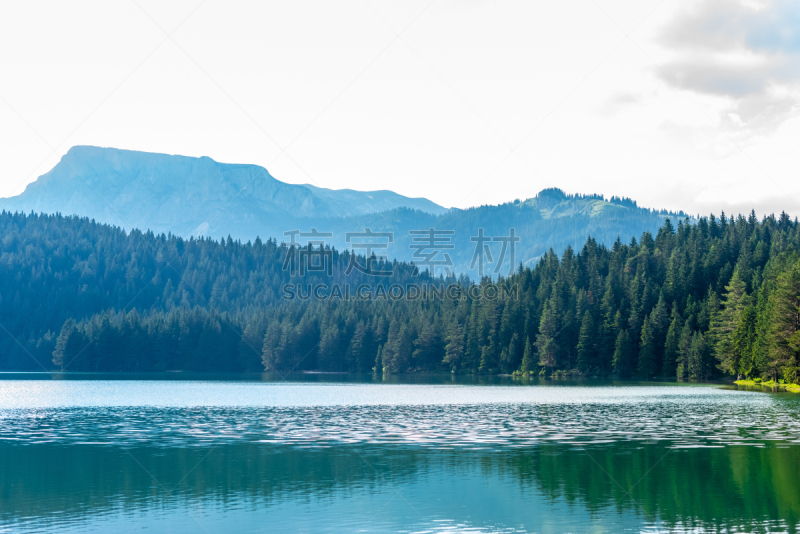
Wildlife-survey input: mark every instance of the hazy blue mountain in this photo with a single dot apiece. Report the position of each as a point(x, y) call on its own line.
point(201, 197)
point(552, 219)
point(188, 196)
point(377, 200)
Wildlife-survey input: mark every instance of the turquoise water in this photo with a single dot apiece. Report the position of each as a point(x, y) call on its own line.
point(332, 454)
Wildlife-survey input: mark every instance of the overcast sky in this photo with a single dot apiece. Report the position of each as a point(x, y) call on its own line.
point(678, 104)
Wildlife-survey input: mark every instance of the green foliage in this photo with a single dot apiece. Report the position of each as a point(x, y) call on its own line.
point(671, 344)
point(784, 332)
point(647, 351)
point(586, 343)
point(727, 321)
point(527, 358)
point(623, 354)
point(744, 339)
point(695, 301)
point(700, 357)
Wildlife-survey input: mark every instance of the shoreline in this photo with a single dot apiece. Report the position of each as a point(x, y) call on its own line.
point(793, 388)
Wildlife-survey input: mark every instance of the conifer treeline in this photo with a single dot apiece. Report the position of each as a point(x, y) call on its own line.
point(700, 300)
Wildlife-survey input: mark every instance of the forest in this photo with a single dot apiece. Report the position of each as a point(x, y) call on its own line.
point(552, 219)
point(701, 299)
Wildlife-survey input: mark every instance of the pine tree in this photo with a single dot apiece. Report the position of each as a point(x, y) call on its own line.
point(726, 322)
point(527, 357)
point(647, 351)
point(379, 361)
point(659, 322)
point(250, 347)
point(784, 342)
point(546, 340)
point(269, 354)
point(699, 357)
point(684, 349)
point(405, 347)
point(623, 354)
point(397, 350)
point(586, 343)
point(744, 341)
point(391, 356)
point(66, 344)
point(427, 346)
point(472, 350)
point(454, 350)
point(328, 351)
point(507, 358)
point(356, 348)
point(610, 326)
point(671, 344)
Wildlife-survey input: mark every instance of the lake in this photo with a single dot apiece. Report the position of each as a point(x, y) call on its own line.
point(330, 453)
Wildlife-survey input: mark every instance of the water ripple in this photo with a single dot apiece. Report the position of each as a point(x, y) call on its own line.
point(472, 417)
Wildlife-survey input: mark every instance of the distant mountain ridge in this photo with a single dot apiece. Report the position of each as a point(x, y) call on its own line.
point(382, 200)
point(188, 196)
point(550, 220)
point(200, 197)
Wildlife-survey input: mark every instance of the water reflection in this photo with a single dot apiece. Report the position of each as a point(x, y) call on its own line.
point(178, 456)
point(551, 486)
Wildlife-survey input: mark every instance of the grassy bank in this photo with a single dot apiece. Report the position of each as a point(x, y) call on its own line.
point(769, 384)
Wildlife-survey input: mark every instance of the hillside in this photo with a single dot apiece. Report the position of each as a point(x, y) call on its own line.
point(200, 197)
point(188, 196)
point(551, 220)
point(692, 301)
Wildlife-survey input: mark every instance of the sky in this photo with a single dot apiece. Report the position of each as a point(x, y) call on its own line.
point(686, 105)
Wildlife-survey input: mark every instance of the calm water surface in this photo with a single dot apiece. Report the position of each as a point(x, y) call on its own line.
point(324, 454)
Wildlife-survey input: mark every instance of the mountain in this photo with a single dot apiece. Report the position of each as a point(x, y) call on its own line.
point(551, 220)
point(376, 201)
point(201, 197)
point(188, 196)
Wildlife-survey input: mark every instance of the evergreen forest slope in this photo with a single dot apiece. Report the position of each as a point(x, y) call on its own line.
point(705, 300)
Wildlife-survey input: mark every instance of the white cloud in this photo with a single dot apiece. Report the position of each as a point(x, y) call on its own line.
point(747, 53)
